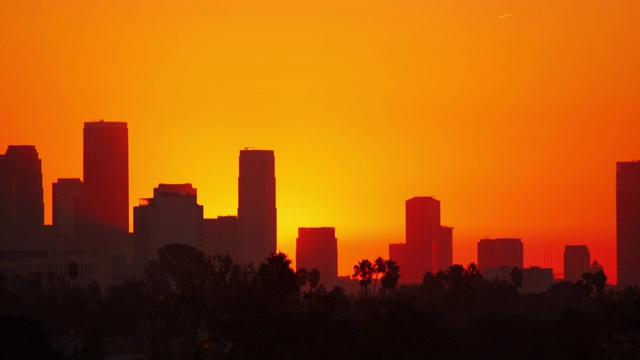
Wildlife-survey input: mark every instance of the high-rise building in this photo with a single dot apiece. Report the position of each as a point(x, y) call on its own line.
point(628, 222)
point(576, 261)
point(256, 206)
point(398, 253)
point(496, 253)
point(104, 205)
point(422, 230)
point(172, 216)
point(21, 199)
point(444, 249)
point(220, 235)
point(317, 248)
point(66, 196)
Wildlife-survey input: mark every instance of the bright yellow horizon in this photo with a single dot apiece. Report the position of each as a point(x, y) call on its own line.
point(512, 114)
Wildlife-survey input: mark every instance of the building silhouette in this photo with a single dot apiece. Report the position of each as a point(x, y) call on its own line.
point(104, 204)
point(172, 216)
point(576, 261)
point(21, 199)
point(422, 231)
point(536, 279)
point(220, 235)
point(496, 253)
point(444, 249)
point(256, 206)
point(65, 202)
point(317, 248)
point(628, 222)
point(398, 253)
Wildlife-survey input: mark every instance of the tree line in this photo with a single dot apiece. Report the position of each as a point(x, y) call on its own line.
point(192, 306)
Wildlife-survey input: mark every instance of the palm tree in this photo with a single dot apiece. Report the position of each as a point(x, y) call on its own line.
point(472, 271)
point(364, 272)
point(389, 280)
point(314, 278)
point(379, 267)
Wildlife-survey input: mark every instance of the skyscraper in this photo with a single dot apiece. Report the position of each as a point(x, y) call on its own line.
point(220, 235)
point(628, 222)
point(21, 199)
point(172, 216)
point(576, 261)
point(398, 253)
point(422, 231)
point(256, 206)
point(444, 249)
point(317, 248)
point(496, 253)
point(66, 196)
point(104, 222)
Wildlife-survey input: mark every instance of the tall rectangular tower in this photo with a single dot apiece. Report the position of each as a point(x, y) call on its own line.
point(422, 231)
point(317, 248)
point(104, 218)
point(256, 206)
point(21, 199)
point(66, 196)
point(628, 222)
point(444, 256)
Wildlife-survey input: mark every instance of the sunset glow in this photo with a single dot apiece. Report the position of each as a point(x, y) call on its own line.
point(512, 114)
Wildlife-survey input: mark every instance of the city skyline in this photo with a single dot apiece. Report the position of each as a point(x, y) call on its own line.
point(256, 195)
point(515, 123)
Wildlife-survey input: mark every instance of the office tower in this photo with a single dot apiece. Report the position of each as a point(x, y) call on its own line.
point(444, 249)
point(317, 248)
point(398, 253)
point(256, 206)
point(576, 261)
point(21, 199)
point(172, 216)
point(220, 236)
point(495, 253)
point(104, 205)
point(422, 230)
point(628, 222)
point(66, 196)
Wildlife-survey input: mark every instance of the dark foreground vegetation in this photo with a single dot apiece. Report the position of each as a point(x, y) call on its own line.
point(189, 306)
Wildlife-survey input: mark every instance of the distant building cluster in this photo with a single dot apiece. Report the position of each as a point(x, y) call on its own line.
point(91, 223)
point(428, 245)
point(91, 216)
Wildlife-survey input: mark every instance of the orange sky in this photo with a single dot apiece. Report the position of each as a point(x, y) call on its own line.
point(512, 113)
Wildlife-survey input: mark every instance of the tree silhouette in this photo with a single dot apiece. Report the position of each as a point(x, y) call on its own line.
point(311, 277)
point(516, 277)
point(363, 271)
point(379, 267)
point(599, 282)
point(73, 272)
point(391, 276)
point(314, 278)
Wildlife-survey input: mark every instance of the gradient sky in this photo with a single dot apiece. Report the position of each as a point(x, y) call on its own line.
point(512, 113)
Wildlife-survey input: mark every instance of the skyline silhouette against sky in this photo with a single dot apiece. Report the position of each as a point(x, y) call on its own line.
point(514, 122)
